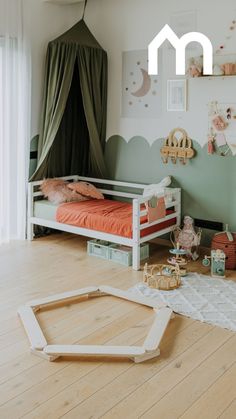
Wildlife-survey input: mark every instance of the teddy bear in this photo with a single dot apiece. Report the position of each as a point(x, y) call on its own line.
point(195, 67)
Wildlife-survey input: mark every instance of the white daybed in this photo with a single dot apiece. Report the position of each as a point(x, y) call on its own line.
point(42, 213)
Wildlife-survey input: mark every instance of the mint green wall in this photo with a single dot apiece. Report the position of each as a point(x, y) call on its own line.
point(208, 182)
point(232, 199)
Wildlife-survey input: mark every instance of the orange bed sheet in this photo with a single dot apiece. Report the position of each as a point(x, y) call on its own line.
point(113, 217)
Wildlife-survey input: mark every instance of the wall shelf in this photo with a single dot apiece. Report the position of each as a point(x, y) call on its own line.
point(213, 77)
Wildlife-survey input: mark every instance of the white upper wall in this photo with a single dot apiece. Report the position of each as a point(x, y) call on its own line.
point(123, 25)
point(43, 22)
point(131, 25)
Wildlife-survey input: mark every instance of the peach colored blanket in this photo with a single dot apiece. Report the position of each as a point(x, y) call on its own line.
point(104, 215)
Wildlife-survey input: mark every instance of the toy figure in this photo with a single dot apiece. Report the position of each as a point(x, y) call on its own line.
point(178, 259)
point(187, 238)
point(211, 145)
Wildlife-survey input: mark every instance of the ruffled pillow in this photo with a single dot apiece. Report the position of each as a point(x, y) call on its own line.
point(57, 192)
point(86, 189)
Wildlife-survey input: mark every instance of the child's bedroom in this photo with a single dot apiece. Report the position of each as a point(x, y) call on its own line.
point(117, 209)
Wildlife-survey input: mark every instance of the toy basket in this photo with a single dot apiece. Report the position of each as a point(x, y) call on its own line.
point(222, 242)
point(162, 277)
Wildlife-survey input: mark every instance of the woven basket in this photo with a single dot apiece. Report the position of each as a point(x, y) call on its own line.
point(221, 241)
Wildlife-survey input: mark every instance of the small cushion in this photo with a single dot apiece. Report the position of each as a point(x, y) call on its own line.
point(86, 189)
point(57, 192)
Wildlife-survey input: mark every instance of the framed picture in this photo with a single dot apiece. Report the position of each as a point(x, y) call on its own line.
point(177, 95)
point(141, 93)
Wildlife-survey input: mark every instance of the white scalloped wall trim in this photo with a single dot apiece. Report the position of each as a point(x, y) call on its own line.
point(230, 151)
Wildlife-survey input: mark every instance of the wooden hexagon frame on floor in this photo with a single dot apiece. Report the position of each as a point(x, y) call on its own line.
point(40, 347)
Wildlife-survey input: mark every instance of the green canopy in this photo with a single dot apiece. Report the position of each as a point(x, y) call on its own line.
point(73, 120)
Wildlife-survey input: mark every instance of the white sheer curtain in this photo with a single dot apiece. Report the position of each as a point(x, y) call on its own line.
point(14, 121)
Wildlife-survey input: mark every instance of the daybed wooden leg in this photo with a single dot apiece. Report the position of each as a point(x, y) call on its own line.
point(30, 204)
point(136, 235)
point(30, 231)
point(136, 257)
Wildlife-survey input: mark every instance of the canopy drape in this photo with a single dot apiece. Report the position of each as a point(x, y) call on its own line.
point(73, 121)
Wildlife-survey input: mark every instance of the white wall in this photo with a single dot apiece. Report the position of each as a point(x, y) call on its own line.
point(43, 22)
point(130, 25)
point(123, 25)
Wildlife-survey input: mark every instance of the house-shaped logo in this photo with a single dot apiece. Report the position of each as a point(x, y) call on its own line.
point(180, 45)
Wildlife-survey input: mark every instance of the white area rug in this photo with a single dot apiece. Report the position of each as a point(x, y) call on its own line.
point(200, 297)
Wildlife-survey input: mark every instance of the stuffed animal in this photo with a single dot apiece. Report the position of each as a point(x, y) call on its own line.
point(195, 67)
point(157, 189)
point(217, 70)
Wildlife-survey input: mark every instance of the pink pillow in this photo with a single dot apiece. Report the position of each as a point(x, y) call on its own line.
point(57, 192)
point(86, 189)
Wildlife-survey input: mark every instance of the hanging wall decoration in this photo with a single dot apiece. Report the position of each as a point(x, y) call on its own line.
point(222, 128)
point(224, 55)
point(177, 149)
point(141, 93)
point(228, 41)
point(225, 58)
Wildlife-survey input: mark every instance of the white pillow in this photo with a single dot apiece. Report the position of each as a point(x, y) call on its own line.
point(157, 189)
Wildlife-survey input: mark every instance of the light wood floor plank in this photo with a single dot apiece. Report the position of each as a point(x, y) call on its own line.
point(93, 385)
point(48, 317)
point(130, 336)
point(195, 372)
point(229, 412)
point(67, 376)
point(216, 399)
point(133, 328)
point(148, 385)
point(175, 402)
point(72, 334)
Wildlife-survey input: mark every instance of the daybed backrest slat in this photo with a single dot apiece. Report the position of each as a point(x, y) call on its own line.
point(39, 182)
point(113, 182)
point(122, 194)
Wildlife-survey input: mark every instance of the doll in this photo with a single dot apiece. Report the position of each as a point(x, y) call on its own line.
point(187, 238)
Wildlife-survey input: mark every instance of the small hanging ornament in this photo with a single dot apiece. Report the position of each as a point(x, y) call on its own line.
point(211, 145)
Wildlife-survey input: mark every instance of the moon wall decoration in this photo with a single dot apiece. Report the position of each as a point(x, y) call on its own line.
point(141, 97)
point(146, 85)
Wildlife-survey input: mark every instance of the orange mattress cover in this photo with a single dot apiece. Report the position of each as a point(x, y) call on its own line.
point(113, 217)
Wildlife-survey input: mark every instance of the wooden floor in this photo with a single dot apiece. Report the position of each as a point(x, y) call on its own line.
point(195, 376)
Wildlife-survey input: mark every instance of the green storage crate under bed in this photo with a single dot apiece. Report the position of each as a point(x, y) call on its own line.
point(115, 252)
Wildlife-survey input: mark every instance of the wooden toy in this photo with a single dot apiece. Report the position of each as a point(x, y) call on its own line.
point(162, 277)
point(40, 347)
point(229, 69)
point(217, 261)
point(177, 149)
point(178, 259)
